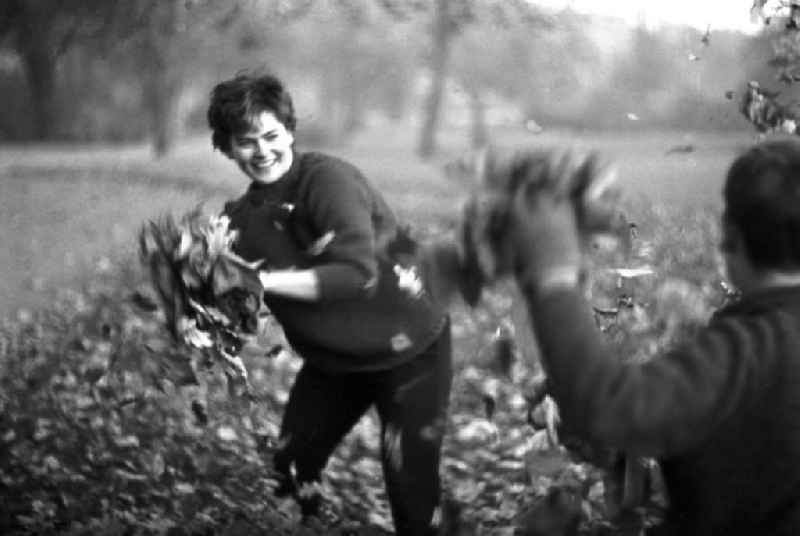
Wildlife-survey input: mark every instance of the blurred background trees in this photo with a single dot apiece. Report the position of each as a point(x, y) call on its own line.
point(40, 34)
point(134, 70)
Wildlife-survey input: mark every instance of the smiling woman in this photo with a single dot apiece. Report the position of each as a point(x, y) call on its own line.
point(353, 308)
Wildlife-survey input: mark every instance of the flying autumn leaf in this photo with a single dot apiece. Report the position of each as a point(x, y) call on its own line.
point(793, 22)
point(757, 11)
point(761, 107)
point(226, 433)
point(632, 273)
point(200, 414)
point(706, 39)
point(677, 149)
point(500, 354)
point(319, 245)
point(144, 300)
point(477, 431)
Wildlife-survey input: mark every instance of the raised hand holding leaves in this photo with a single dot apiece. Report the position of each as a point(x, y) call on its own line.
point(580, 182)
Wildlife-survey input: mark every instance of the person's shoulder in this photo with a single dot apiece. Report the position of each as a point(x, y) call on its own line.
point(324, 173)
point(761, 304)
point(319, 162)
point(756, 330)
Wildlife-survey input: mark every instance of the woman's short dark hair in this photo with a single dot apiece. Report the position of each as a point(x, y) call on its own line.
point(235, 104)
point(762, 201)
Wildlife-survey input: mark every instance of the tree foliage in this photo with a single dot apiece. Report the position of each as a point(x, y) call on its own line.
point(760, 105)
point(41, 32)
point(449, 19)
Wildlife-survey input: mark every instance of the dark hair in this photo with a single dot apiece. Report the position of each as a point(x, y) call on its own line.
point(762, 201)
point(235, 103)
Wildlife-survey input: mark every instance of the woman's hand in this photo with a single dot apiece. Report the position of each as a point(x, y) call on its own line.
point(296, 284)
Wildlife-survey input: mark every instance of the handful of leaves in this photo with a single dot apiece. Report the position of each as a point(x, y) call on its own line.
point(210, 296)
point(762, 108)
point(499, 176)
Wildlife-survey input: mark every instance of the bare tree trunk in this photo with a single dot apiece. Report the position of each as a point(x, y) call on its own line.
point(163, 97)
point(40, 69)
point(163, 86)
point(479, 133)
point(442, 37)
point(354, 118)
point(38, 51)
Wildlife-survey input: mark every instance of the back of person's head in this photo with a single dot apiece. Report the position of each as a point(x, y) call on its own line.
point(237, 102)
point(762, 202)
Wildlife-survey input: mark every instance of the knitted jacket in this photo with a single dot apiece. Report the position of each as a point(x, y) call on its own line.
point(721, 412)
point(374, 311)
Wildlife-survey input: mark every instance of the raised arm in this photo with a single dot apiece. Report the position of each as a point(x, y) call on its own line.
point(664, 406)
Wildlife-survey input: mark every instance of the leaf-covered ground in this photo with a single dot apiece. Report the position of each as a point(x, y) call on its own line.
point(94, 439)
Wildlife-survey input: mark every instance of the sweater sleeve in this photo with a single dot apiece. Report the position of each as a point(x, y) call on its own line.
point(661, 407)
point(339, 205)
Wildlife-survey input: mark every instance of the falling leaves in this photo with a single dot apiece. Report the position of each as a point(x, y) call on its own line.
point(765, 112)
point(409, 280)
point(706, 39)
point(545, 417)
point(680, 149)
point(477, 431)
point(788, 77)
point(318, 246)
point(631, 273)
point(189, 332)
point(210, 296)
point(794, 17)
point(200, 413)
point(144, 301)
point(503, 351)
point(227, 433)
point(184, 488)
point(767, 10)
point(757, 9)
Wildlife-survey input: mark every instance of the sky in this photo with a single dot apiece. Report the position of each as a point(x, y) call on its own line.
point(720, 14)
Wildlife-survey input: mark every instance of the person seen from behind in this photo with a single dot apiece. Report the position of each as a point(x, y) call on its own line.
point(720, 412)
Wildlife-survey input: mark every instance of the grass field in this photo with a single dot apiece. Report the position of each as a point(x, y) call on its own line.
point(68, 211)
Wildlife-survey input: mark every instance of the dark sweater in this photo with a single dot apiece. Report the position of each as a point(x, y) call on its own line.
point(324, 215)
point(721, 413)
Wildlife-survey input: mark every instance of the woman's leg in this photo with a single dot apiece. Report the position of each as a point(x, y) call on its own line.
point(413, 408)
point(321, 409)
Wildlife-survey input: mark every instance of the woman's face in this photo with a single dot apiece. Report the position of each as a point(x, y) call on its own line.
point(263, 153)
